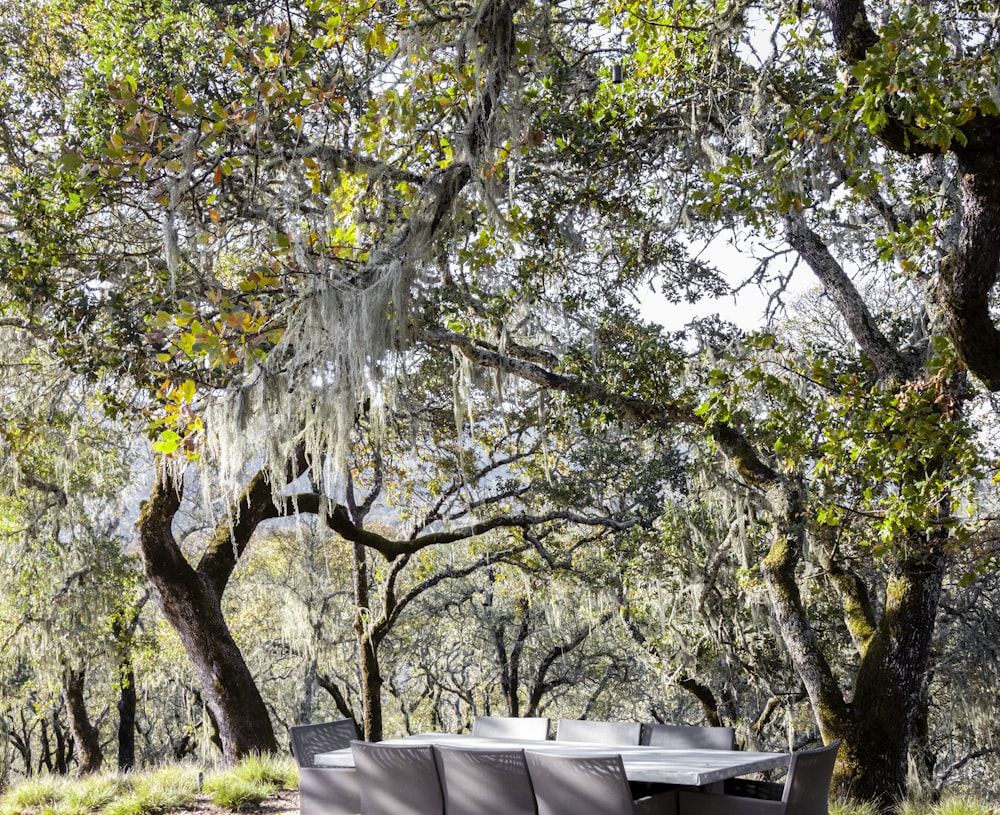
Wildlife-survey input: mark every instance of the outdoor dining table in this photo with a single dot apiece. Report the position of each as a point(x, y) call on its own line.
point(697, 768)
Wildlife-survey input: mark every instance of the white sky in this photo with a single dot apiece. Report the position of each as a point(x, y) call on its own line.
point(746, 309)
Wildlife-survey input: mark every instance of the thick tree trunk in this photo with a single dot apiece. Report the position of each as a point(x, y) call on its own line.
point(790, 616)
point(371, 689)
point(192, 603)
point(85, 735)
point(889, 692)
point(878, 727)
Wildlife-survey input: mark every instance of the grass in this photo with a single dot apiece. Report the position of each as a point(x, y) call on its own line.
point(948, 805)
point(249, 783)
point(151, 792)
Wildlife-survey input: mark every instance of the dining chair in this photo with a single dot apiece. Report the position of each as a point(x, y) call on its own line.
point(599, 732)
point(511, 727)
point(590, 785)
point(805, 791)
point(325, 790)
point(484, 782)
point(397, 779)
point(310, 739)
point(682, 735)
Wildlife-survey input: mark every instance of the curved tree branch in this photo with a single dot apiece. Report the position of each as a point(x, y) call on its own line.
point(889, 362)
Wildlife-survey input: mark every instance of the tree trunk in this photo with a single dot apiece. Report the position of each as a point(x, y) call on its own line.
point(877, 728)
point(44, 748)
point(64, 746)
point(371, 675)
point(889, 692)
point(123, 630)
point(126, 715)
point(85, 735)
point(192, 603)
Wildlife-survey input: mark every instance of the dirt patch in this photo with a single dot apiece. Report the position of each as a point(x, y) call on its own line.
point(285, 802)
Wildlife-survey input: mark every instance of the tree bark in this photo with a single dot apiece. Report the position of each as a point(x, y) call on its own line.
point(364, 630)
point(191, 600)
point(889, 691)
point(127, 702)
point(85, 735)
point(966, 277)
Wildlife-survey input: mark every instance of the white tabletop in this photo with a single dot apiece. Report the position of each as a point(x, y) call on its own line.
point(670, 766)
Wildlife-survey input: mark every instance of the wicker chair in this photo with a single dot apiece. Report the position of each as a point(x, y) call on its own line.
point(511, 727)
point(600, 732)
point(325, 790)
point(484, 782)
point(398, 779)
point(681, 736)
point(592, 785)
point(806, 790)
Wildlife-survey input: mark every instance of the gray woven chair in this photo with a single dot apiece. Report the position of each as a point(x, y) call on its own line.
point(511, 727)
point(600, 732)
point(310, 739)
point(592, 785)
point(806, 790)
point(325, 790)
point(484, 782)
point(397, 779)
point(681, 736)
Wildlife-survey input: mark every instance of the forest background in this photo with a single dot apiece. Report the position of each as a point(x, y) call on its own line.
point(326, 391)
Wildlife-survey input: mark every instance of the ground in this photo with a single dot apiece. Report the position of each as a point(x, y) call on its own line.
point(285, 802)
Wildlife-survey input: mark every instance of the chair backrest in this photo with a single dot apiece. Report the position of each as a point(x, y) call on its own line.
point(484, 782)
point(511, 727)
point(807, 787)
point(310, 739)
point(600, 732)
point(681, 735)
point(579, 785)
point(397, 779)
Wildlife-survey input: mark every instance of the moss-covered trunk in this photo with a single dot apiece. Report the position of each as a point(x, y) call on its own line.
point(878, 726)
point(889, 691)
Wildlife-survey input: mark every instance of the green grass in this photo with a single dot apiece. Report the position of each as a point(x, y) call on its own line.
point(157, 791)
point(948, 805)
point(250, 782)
point(838, 807)
point(38, 794)
point(90, 795)
point(152, 792)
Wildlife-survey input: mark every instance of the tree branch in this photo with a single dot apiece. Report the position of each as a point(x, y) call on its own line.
point(889, 363)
